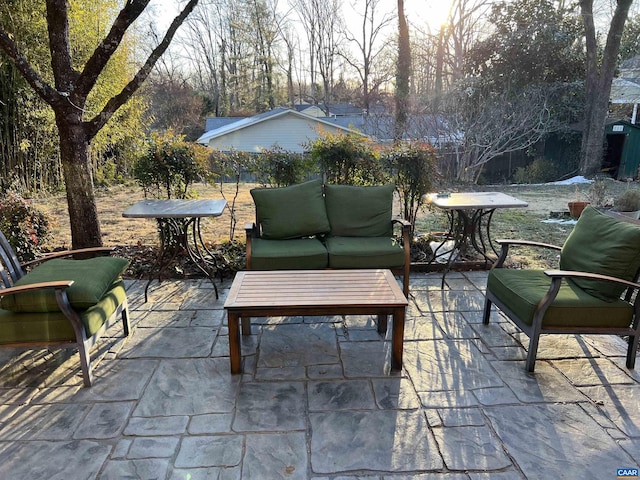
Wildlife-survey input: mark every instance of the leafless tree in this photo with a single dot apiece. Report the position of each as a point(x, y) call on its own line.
point(370, 48)
point(485, 126)
point(322, 23)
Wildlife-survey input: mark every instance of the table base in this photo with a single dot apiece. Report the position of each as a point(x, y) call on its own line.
point(182, 234)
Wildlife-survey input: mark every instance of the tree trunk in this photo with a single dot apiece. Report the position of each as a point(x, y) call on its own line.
point(402, 75)
point(598, 82)
point(76, 167)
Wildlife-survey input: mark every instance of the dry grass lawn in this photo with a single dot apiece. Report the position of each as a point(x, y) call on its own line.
point(511, 223)
point(119, 231)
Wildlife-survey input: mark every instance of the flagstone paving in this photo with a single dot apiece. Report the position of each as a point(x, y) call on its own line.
point(316, 399)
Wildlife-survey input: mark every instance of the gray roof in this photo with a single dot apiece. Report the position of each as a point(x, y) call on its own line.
point(213, 123)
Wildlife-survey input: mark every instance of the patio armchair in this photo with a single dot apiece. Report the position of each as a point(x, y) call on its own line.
point(594, 292)
point(61, 301)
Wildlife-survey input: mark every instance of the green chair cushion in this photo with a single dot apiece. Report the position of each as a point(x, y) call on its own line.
point(92, 278)
point(297, 254)
point(364, 252)
point(291, 212)
point(522, 290)
point(43, 327)
point(604, 245)
point(359, 211)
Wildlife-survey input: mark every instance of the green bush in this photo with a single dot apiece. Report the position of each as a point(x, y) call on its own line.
point(278, 167)
point(540, 170)
point(26, 227)
point(169, 165)
point(412, 166)
point(628, 200)
point(347, 159)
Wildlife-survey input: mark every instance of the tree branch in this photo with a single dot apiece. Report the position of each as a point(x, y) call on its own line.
point(58, 27)
point(101, 55)
point(94, 125)
point(41, 87)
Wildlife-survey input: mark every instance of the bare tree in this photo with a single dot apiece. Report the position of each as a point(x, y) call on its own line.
point(306, 10)
point(328, 45)
point(322, 22)
point(464, 24)
point(370, 49)
point(483, 126)
point(233, 50)
point(203, 47)
point(598, 81)
point(439, 56)
point(68, 97)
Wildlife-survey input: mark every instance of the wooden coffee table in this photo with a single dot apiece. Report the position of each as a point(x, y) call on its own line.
point(315, 293)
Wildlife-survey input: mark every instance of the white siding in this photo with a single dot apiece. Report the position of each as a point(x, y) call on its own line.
point(288, 131)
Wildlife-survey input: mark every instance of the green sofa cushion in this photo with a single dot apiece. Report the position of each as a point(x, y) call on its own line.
point(364, 252)
point(359, 211)
point(54, 326)
point(604, 245)
point(522, 290)
point(297, 254)
point(92, 278)
point(291, 212)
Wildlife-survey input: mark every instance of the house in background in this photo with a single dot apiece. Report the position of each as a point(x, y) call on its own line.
point(282, 127)
point(291, 130)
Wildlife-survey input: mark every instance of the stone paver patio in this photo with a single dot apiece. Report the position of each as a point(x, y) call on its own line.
point(316, 401)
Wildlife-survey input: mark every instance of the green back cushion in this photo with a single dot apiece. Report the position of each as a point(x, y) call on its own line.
point(291, 212)
point(601, 244)
point(359, 211)
point(92, 278)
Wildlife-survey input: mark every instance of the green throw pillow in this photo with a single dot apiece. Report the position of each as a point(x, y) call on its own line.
point(604, 245)
point(92, 278)
point(360, 211)
point(291, 212)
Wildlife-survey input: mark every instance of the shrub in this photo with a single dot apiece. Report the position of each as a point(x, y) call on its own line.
point(347, 159)
point(278, 167)
point(412, 166)
point(25, 227)
point(628, 200)
point(540, 170)
point(170, 165)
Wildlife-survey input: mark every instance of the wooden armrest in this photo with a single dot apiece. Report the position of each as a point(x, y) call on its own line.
point(58, 284)
point(404, 223)
point(591, 276)
point(528, 243)
point(505, 244)
point(69, 253)
point(251, 230)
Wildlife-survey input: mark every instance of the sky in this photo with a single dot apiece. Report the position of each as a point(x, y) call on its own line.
point(420, 12)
